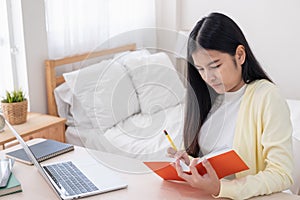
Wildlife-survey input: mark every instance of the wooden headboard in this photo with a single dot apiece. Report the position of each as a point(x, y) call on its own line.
point(52, 80)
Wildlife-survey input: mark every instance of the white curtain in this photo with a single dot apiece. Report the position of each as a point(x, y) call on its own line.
point(79, 26)
point(6, 69)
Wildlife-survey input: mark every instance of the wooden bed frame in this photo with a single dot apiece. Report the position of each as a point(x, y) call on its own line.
point(52, 80)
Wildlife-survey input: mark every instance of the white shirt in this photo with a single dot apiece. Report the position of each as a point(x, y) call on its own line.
point(218, 130)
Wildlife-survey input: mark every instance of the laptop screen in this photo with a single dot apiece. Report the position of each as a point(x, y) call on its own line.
point(30, 155)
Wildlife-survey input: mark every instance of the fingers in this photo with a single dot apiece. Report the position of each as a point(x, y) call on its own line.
point(208, 182)
point(184, 175)
point(194, 162)
point(186, 158)
point(194, 179)
point(193, 168)
point(180, 172)
point(211, 173)
point(209, 169)
point(212, 178)
point(180, 155)
point(171, 151)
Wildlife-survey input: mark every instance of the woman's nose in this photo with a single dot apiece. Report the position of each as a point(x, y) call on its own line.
point(210, 75)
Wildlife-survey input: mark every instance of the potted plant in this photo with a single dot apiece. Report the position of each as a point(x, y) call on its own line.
point(14, 107)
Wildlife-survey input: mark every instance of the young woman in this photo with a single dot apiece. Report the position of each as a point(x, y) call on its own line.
point(232, 103)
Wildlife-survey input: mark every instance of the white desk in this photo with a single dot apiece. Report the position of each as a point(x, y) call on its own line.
point(141, 185)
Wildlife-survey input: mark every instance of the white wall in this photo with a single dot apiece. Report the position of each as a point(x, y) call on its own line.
point(272, 28)
point(167, 23)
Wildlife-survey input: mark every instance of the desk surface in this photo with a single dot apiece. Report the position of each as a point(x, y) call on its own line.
point(141, 182)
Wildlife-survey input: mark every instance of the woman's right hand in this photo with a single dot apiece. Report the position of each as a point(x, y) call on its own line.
point(179, 155)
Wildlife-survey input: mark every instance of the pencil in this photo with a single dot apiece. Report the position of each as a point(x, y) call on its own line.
point(170, 140)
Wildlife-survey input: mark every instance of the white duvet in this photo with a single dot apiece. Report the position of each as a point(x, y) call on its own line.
point(140, 136)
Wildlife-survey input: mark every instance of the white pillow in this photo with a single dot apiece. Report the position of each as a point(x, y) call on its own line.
point(124, 56)
point(105, 92)
point(68, 107)
point(156, 82)
point(63, 99)
point(295, 188)
point(294, 106)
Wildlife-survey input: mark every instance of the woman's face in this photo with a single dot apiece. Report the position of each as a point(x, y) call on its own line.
point(221, 71)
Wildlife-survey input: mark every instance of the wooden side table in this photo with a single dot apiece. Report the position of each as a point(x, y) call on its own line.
point(37, 126)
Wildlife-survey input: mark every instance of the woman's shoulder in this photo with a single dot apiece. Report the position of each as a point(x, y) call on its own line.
point(262, 84)
point(263, 91)
point(261, 87)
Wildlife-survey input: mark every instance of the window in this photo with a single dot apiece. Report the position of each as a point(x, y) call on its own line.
point(6, 75)
point(13, 63)
point(79, 26)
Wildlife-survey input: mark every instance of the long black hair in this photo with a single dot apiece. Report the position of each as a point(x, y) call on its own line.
point(214, 32)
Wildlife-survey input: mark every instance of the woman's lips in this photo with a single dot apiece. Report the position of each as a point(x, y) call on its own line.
point(217, 85)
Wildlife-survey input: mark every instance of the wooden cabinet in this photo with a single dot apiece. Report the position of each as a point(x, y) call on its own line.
point(37, 126)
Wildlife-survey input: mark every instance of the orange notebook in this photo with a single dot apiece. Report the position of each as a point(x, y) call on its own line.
point(225, 163)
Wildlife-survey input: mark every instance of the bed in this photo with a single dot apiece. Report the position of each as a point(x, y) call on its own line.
point(122, 101)
point(118, 100)
point(294, 106)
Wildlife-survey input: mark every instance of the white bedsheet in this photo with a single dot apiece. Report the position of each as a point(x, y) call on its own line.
point(140, 136)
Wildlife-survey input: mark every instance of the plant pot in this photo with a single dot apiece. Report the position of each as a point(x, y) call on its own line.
point(15, 113)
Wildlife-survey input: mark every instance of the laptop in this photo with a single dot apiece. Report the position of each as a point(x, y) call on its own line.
point(70, 181)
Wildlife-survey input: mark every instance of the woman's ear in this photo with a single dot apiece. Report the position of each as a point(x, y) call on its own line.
point(240, 54)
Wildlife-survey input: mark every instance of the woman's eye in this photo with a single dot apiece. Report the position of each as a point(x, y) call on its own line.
point(214, 67)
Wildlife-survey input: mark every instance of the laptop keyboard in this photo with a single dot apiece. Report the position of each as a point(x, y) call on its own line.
point(67, 176)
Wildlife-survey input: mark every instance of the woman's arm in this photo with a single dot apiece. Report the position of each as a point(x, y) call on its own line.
point(271, 128)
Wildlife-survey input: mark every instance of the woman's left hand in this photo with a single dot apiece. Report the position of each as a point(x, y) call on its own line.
point(209, 182)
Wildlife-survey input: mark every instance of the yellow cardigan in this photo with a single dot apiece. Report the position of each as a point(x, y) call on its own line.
point(263, 139)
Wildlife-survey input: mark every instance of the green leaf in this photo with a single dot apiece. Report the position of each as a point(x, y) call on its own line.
point(14, 96)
